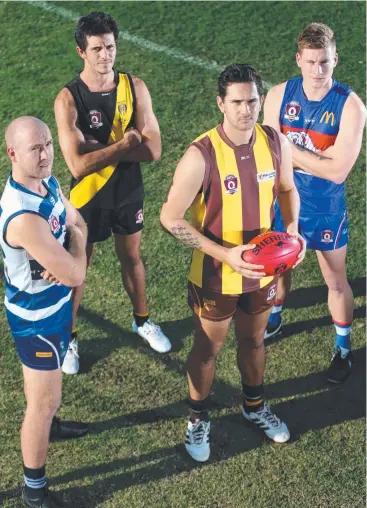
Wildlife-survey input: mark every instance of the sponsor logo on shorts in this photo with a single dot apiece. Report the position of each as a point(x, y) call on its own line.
point(327, 236)
point(208, 304)
point(231, 184)
point(272, 292)
point(267, 175)
point(139, 217)
point(345, 231)
point(292, 110)
point(54, 223)
point(95, 119)
point(44, 354)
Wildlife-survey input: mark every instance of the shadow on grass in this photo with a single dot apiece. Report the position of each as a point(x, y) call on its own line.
point(231, 434)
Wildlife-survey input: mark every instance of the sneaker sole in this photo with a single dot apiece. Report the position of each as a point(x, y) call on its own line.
point(69, 372)
point(276, 333)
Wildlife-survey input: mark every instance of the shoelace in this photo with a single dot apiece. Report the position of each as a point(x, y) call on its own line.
point(199, 432)
point(73, 347)
point(153, 328)
point(269, 417)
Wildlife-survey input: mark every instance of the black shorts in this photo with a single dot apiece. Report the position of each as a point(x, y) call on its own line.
point(218, 307)
point(125, 220)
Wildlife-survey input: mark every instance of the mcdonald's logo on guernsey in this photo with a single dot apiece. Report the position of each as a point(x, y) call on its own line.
point(326, 117)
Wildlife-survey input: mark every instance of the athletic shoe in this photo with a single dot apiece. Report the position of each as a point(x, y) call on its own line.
point(45, 500)
point(340, 366)
point(269, 423)
point(273, 330)
point(197, 440)
point(71, 360)
point(153, 335)
point(67, 429)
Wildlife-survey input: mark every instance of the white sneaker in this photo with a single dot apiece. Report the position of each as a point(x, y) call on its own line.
point(153, 335)
point(269, 423)
point(197, 440)
point(71, 360)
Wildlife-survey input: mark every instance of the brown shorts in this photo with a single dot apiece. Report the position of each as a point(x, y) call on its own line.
point(218, 307)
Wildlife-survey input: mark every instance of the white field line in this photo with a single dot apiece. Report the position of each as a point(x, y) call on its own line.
point(139, 41)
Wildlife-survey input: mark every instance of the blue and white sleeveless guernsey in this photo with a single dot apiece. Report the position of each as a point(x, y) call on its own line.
point(314, 125)
point(33, 306)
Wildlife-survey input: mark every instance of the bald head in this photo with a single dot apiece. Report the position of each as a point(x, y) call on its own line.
point(22, 127)
point(29, 146)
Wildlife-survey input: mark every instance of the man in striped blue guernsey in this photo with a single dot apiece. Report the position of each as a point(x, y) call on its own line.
point(43, 240)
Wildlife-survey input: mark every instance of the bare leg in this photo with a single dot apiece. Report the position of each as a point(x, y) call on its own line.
point(250, 345)
point(78, 291)
point(284, 285)
point(43, 393)
point(132, 270)
point(208, 341)
point(340, 296)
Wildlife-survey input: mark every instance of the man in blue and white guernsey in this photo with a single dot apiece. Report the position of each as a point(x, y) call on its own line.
point(43, 240)
point(324, 120)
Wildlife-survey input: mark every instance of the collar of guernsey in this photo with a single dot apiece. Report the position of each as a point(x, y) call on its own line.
point(88, 186)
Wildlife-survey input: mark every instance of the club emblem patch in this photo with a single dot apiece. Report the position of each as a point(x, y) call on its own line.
point(231, 184)
point(292, 110)
point(139, 217)
point(95, 119)
point(327, 236)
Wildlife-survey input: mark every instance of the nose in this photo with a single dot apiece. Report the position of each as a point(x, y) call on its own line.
point(103, 54)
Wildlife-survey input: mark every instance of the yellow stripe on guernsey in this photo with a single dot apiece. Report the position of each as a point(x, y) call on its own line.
point(264, 164)
point(88, 187)
point(232, 223)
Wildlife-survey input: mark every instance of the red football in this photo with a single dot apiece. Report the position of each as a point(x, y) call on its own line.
point(277, 252)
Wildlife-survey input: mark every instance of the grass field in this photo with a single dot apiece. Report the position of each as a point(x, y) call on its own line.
point(133, 398)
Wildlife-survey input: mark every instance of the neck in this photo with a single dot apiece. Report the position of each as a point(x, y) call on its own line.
point(317, 94)
point(236, 136)
point(32, 184)
point(98, 82)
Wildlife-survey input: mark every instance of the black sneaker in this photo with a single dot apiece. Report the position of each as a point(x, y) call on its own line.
point(45, 500)
point(340, 367)
point(67, 429)
point(273, 330)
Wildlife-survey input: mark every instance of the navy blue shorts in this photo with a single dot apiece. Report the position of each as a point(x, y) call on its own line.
point(329, 232)
point(44, 352)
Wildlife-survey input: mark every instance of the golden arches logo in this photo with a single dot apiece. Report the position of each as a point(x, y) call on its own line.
point(327, 116)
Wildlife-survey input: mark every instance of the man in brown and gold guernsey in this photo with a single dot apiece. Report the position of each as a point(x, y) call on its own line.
point(106, 127)
point(229, 178)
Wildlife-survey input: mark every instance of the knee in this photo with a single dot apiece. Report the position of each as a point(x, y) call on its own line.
point(338, 285)
point(130, 259)
point(46, 406)
point(253, 342)
point(207, 350)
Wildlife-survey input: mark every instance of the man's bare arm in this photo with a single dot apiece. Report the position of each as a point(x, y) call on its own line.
point(336, 162)
point(272, 104)
point(73, 144)
point(32, 233)
point(187, 182)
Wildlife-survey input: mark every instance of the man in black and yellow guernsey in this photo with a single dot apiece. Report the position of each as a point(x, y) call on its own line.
point(106, 127)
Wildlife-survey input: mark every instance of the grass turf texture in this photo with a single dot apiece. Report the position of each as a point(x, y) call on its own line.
point(135, 399)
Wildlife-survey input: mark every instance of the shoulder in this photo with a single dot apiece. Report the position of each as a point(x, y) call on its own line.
point(277, 91)
point(65, 98)
point(355, 106)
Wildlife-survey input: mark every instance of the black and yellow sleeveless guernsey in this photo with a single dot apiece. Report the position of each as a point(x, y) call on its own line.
point(106, 116)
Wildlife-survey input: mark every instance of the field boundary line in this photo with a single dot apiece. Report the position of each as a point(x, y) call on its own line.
point(140, 41)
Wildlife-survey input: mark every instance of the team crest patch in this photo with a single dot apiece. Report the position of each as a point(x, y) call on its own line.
point(122, 107)
point(231, 184)
point(54, 223)
point(327, 236)
point(292, 110)
point(272, 292)
point(139, 217)
point(95, 119)
point(267, 175)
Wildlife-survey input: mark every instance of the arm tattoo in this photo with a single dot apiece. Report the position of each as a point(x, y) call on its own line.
point(185, 237)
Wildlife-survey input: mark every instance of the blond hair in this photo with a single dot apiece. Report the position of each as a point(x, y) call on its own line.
point(315, 36)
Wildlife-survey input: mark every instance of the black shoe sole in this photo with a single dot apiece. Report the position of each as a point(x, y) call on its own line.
point(274, 334)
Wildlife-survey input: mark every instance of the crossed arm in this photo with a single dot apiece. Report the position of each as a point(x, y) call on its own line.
point(85, 156)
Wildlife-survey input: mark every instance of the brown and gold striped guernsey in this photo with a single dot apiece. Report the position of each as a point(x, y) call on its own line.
point(236, 202)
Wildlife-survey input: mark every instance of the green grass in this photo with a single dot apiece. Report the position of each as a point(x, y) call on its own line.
point(134, 399)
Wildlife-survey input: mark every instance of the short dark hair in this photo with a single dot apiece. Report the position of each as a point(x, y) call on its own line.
point(95, 23)
point(239, 73)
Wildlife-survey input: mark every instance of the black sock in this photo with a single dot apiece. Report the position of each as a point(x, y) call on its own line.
point(35, 481)
point(74, 334)
point(141, 319)
point(199, 409)
point(253, 397)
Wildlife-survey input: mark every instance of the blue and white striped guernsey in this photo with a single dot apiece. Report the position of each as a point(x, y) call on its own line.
point(33, 306)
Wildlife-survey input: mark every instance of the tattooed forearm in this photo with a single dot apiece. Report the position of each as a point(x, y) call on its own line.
point(185, 237)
